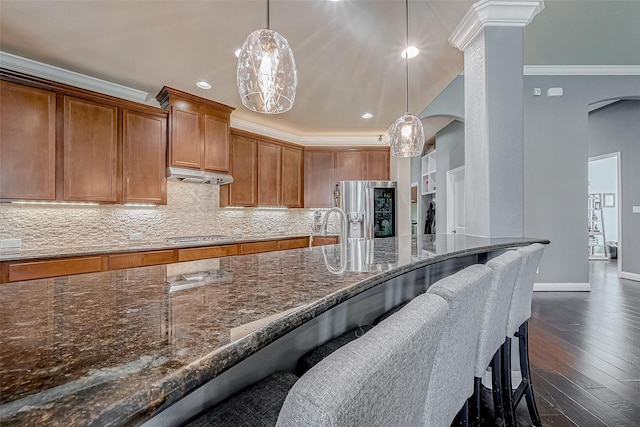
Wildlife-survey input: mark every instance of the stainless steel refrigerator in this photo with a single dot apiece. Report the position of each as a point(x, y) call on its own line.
point(370, 207)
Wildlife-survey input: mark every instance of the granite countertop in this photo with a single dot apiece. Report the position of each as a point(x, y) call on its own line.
point(112, 348)
point(25, 255)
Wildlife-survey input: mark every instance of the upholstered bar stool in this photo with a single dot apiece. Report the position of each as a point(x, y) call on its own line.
point(451, 383)
point(494, 322)
point(313, 357)
point(256, 405)
point(518, 326)
point(380, 379)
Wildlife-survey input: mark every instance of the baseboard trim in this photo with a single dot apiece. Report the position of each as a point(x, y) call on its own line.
point(629, 276)
point(562, 287)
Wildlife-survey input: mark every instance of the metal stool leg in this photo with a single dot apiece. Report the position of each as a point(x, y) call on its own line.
point(523, 340)
point(496, 388)
point(476, 402)
point(462, 417)
point(507, 391)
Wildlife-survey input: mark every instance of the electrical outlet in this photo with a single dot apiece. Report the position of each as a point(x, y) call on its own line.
point(281, 229)
point(10, 243)
point(135, 236)
point(237, 232)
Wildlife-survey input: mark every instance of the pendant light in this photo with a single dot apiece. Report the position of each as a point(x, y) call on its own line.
point(407, 135)
point(266, 72)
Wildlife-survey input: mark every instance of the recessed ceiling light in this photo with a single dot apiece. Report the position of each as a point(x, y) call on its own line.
point(203, 85)
point(367, 115)
point(237, 52)
point(412, 50)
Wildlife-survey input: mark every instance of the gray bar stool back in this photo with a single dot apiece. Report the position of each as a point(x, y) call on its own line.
point(380, 379)
point(494, 322)
point(518, 326)
point(451, 383)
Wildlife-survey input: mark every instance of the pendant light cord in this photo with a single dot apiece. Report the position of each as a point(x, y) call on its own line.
point(406, 48)
point(268, 15)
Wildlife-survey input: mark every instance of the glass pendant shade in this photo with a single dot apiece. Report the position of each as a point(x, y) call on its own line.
point(407, 136)
point(266, 73)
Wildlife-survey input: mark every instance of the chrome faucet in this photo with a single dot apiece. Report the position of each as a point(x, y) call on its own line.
point(343, 225)
point(343, 240)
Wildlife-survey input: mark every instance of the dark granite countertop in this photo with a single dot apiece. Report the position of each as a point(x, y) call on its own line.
point(26, 255)
point(112, 348)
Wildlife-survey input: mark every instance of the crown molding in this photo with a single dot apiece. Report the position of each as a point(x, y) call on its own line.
point(263, 130)
point(60, 75)
point(493, 13)
point(581, 70)
point(306, 140)
point(344, 140)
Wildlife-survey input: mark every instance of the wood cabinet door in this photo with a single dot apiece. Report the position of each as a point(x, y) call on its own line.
point(186, 141)
point(292, 178)
point(216, 144)
point(350, 166)
point(376, 164)
point(27, 142)
point(90, 151)
point(244, 189)
point(269, 174)
point(144, 149)
point(258, 247)
point(318, 179)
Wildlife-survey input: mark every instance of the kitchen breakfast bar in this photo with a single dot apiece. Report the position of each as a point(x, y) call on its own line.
point(155, 345)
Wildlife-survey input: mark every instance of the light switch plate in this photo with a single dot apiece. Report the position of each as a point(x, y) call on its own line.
point(10, 243)
point(636, 209)
point(555, 91)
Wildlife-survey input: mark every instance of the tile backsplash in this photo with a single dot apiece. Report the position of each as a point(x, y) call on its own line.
point(192, 209)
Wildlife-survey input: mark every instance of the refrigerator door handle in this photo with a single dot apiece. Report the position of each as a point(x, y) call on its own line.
point(369, 233)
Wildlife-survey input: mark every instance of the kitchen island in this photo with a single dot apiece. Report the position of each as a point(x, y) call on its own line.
point(119, 347)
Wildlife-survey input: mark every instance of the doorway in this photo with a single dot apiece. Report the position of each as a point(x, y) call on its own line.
point(604, 187)
point(455, 201)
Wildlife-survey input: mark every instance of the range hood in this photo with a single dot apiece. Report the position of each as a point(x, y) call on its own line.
point(198, 176)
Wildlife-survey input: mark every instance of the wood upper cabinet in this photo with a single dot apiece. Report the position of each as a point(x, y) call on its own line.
point(319, 183)
point(185, 138)
point(198, 131)
point(292, 177)
point(376, 165)
point(90, 150)
point(324, 167)
point(144, 150)
point(27, 142)
point(244, 169)
point(269, 174)
point(349, 166)
point(266, 172)
point(216, 143)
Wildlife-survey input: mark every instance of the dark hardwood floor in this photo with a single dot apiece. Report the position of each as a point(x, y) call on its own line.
point(584, 350)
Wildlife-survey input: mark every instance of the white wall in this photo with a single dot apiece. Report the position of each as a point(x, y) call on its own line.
point(556, 151)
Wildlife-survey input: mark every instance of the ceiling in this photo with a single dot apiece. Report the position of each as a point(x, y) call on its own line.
point(347, 52)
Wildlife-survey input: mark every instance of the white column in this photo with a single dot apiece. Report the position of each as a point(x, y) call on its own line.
point(491, 37)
